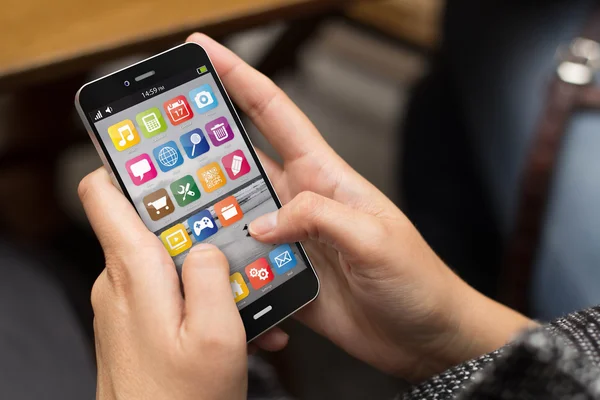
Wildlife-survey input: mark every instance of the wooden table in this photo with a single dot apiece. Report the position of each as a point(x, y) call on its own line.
point(43, 40)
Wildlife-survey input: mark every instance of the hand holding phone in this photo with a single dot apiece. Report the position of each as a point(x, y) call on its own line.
point(175, 145)
point(386, 297)
point(140, 316)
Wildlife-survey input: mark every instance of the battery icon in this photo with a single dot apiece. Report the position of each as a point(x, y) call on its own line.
point(202, 70)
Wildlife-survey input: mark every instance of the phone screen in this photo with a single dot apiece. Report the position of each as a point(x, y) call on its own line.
point(193, 177)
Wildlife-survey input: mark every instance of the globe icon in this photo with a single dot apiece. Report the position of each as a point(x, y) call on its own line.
point(168, 156)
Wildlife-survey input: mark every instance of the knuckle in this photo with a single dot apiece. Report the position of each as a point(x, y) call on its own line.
point(218, 341)
point(259, 106)
point(106, 297)
point(88, 184)
point(119, 260)
point(307, 205)
point(85, 186)
point(98, 293)
point(116, 272)
point(379, 232)
point(307, 212)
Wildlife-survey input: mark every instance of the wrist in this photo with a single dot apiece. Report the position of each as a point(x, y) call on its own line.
point(481, 326)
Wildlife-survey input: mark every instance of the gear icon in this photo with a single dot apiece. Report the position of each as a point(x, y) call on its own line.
point(263, 274)
point(253, 273)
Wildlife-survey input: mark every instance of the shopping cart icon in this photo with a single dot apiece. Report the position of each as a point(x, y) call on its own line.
point(159, 204)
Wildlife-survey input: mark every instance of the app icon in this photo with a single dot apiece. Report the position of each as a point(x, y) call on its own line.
point(219, 131)
point(228, 211)
point(168, 156)
point(283, 259)
point(203, 98)
point(123, 135)
point(151, 122)
point(178, 110)
point(236, 164)
point(238, 287)
point(211, 177)
point(141, 169)
point(259, 273)
point(194, 143)
point(202, 225)
point(158, 204)
point(185, 190)
point(176, 240)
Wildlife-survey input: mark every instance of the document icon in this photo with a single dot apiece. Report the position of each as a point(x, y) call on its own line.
point(283, 259)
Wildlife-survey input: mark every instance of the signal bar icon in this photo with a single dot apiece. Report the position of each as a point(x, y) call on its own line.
point(98, 116)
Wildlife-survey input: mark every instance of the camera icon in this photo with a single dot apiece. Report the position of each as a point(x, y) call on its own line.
point(204, 98)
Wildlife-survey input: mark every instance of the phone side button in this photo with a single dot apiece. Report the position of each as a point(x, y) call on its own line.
point(262, 313)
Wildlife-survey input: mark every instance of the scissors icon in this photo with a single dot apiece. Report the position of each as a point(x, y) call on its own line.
point(185, 191)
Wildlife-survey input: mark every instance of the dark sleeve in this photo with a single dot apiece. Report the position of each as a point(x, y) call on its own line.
point(557, 361)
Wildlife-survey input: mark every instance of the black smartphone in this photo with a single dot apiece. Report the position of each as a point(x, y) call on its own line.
point(173, 142)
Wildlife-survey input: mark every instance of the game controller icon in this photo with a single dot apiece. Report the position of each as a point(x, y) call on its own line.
point(203, 224)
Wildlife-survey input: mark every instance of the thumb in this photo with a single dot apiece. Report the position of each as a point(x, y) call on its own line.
point(311, 216)
point(209, 302)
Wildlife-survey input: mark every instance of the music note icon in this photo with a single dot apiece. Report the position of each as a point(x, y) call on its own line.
point(124, 135)
point(130, 135)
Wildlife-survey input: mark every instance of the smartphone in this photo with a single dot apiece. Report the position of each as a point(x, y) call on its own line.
point(172, 140)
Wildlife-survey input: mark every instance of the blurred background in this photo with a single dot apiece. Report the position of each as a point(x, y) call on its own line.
point(479, 119)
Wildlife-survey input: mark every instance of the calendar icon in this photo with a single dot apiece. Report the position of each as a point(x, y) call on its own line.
point(178, 110)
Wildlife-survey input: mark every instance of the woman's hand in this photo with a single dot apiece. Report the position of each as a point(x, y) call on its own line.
point(151, 343)
point(386, 298)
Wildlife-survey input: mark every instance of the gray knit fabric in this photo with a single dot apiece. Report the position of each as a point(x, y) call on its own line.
point(558, 361)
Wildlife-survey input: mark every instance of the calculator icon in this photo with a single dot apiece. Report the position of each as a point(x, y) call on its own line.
point(178, 110)
point(151, 122)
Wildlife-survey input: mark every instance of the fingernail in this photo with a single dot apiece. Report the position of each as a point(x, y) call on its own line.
point(263, 225)
point(283, 338)
point(202, 247)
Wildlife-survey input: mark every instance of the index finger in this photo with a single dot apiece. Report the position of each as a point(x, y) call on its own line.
point(288, 130)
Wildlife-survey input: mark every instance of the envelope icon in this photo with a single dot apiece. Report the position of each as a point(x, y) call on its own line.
point(283, 259)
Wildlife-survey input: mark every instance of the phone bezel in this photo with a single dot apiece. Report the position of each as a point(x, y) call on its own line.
point(285, 299)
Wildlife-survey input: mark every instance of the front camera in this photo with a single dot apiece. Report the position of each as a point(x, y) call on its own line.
point(126, 83)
